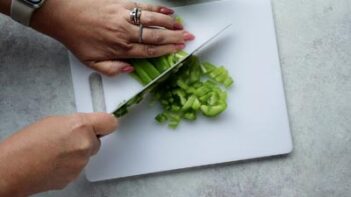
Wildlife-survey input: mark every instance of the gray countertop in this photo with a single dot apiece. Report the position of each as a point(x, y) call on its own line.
point(315, 50)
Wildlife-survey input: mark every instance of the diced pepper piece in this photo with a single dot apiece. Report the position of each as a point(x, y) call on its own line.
point(175, 108)
point(228, 82)
point(212, 111)
point(222, 77)
point(191, 115)
point(161, 118)
point(218, 71)
point(213, 99)
point(204, 98)
point(181, 95)
point(189, 103)
point(181, 83)
point(174, 120)
point(207, 67)
point(196, 104)
point(202, 91)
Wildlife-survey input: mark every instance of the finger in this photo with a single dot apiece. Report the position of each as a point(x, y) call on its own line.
point(148, 51)
point(148, 18)
point(149, 7)
point(160, 36)
point(102, 123)
point(111, 67)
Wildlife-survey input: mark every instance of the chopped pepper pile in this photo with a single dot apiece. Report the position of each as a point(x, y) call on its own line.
point(198, 87)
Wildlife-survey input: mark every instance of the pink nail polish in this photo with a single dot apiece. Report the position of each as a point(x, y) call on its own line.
point(178, 26)
point(180, 46)
point(167, 11)
point(188, 36)
point(127, 69)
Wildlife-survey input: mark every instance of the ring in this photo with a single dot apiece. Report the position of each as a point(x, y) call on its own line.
point(132, 15)
point(135, 16)
point(141, 29)
point(138, 16)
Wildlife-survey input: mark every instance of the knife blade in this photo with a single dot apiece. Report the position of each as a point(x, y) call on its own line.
point(122, 108)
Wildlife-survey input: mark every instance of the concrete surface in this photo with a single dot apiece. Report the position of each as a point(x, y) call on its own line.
point(315, 49)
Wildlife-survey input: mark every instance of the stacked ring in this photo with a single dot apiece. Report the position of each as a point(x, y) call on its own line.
point(135, 16)
point(138, 16)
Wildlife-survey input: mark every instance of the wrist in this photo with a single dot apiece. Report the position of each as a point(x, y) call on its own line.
point(9, 185)
point(46, 18)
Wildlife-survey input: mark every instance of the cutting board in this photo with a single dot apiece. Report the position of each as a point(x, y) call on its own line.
point(255, 124)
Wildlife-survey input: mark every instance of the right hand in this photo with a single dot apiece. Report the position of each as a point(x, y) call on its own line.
point(50, 153)
point(102, 36)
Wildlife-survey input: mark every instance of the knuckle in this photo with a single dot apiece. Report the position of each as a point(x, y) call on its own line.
point(85, 145)
point(150, 50)
point(110, 70)
point(79, 122)
point(157, 37)
point(179, 36)
point(173, 49)
point(114, 27)
point(112, 9)
point(150, 19)
point(125, 45)
point(170, 21)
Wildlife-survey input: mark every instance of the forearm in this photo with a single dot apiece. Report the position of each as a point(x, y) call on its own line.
point(10, 174)
point(19, 170)
point(5, 6)
point(41, 19)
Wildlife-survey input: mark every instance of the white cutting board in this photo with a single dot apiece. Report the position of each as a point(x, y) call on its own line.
point(255, 124)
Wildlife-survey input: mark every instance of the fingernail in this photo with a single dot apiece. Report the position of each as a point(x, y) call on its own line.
point(188, 36)
point(127, 69)
point(165, 10)
point(178, 26)
point(180, 46)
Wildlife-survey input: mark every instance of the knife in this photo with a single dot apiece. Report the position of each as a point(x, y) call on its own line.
point(122, 108)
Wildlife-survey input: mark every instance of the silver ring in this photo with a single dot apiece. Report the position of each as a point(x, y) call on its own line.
point(135, 16)
point(138, 16)
point(141, 29)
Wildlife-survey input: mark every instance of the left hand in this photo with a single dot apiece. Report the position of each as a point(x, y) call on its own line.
point(101, 34)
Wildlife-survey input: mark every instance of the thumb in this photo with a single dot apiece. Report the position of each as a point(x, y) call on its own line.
point(111, 67)
point(102, 123)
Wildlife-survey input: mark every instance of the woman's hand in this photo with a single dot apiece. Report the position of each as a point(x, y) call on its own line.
point(101, 34)
point(50, 153)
